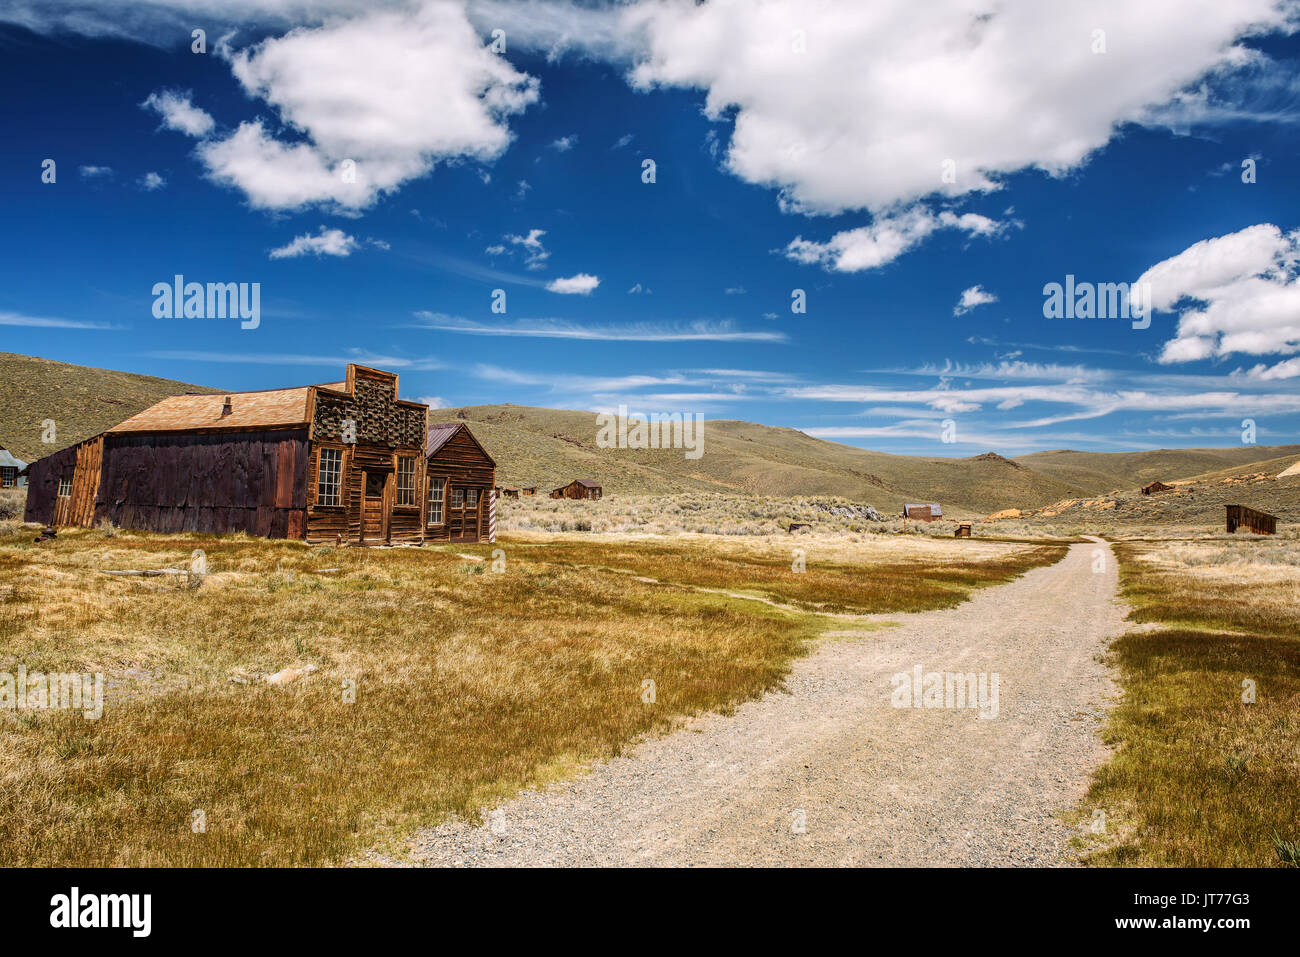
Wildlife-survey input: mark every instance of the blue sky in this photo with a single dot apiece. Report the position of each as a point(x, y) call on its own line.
point(795, 147)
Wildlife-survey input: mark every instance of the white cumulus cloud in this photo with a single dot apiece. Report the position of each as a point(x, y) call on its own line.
point(581, 284)
point(178, 113)
point(976, 295)
point(328, 242)
point(1238, 293)
point(887, 238)
point(367, 103)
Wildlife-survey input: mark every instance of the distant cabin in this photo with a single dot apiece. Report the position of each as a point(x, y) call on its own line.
point(922, 513)
point(1153, 487)
point(337, 463)
point(12, 470)
point(1262, 523)
point(461, 481)
point(528, 490)
point(578, 488)
point(507, 491)
point(963, 530)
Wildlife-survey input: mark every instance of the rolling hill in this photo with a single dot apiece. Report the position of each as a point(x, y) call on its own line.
point(82, 400)
point(546, 447)
point(549, 447)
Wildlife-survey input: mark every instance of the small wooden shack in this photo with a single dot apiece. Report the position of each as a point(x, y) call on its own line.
point(461, 482)
point(1262, 523)
point(1152, 487)
point(528, 490)
point(507, 491)
point(578, 488)
point(327, 463)
point(12, 470)
point(963, 530)
point(922, 513)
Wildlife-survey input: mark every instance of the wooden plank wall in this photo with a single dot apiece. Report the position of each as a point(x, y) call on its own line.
point(464, 465)
point(216, 483)
point(1242, 516)
point(43, 484)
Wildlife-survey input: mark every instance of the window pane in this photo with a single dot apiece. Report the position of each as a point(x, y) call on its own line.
point(65, 486)
point(457, 498)
point(435, 500)
point(471, 497)
point(328, 477)
point(406, 480)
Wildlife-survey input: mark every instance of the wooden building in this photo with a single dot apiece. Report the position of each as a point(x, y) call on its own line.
point(528, 491)
point(461, 479)
point(507, 492)
point(335, 463)
point(12, 470)
point(1152, 487)
point(963, 530)
point(578, 488)
point(1262, 523)
point(922, 513)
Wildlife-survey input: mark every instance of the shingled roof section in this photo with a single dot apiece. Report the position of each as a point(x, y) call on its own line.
point(249, 411)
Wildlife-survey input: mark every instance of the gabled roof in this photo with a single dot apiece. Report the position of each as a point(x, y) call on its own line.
point(587, 482)
point(274, 408)
point(8, 461)
point(440, 434)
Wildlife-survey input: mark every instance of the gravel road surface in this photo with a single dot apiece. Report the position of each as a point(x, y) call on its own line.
point(831, 772)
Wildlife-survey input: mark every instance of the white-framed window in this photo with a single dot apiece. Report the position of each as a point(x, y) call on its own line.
point(436, 487)
point(8, 476)
point(458, 498)
point(405, 480)
point(329, 477)
point(471, 498)
point(65, 485)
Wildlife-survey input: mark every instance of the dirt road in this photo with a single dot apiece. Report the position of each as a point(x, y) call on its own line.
point(833, 772)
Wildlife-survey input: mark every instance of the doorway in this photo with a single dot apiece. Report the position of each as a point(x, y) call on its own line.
point(374, 516)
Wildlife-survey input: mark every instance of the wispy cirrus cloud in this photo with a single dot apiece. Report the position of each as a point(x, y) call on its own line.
point(699, 331)
point(46, 322)
point(337, 362)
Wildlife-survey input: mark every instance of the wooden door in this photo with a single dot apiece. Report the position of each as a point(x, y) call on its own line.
point(373, 512)
point(463, 514)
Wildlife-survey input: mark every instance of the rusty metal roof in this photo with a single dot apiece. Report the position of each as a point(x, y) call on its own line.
point(587, 482)
point(274, 408)
point(439, 434)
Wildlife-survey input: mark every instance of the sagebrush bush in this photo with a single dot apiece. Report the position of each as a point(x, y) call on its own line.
point(12, 503)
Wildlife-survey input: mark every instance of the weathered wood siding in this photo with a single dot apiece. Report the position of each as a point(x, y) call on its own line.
point(80, 463)
point(385, 427)
point(1241, 516)
point(253, 482)
point(461, 464)
point(576, 489)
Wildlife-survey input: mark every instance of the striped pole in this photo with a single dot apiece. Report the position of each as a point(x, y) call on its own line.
point(492, 516)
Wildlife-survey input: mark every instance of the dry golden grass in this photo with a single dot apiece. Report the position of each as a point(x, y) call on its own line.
point(1201, 778)
point(470, 684)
